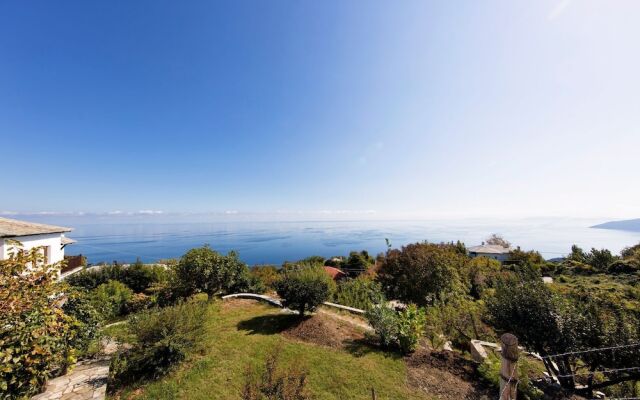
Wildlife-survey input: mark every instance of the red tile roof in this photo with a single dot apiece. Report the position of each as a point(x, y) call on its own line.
point(335, 273)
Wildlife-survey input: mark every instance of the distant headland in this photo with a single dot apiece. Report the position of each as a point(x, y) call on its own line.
point(632, 225)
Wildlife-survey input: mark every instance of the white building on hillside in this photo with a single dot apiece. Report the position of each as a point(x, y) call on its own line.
point(51, 238)
point(494, 251)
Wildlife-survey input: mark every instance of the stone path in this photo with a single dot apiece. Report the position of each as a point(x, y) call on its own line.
point(88, 380)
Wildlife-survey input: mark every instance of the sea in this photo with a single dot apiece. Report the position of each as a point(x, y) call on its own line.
point(108, 239)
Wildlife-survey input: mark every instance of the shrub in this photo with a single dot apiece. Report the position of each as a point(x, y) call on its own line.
point(110, 299)
point(163, 337)
point(78, 305)
point(357, 263)
point(267, 275)
point(275, 384)
point(138, 277)
point(303, 289)
point(36, 336)
point(205, 270)
point(138, 302)
point(481, 273)
point(400, 330)
point(361, 292)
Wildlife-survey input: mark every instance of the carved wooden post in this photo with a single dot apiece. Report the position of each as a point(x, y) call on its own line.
point(509, 367)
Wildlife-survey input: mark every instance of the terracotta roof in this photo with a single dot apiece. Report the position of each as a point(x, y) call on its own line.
point(334, 273)
point(14, 228)
point(489, 249)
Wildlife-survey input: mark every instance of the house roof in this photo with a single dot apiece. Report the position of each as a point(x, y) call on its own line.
point(14, 228)
point(489, 249)
point(334, 273)
point(66, 240)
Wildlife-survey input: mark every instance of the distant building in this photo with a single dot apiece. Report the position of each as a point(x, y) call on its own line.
point(335, 273)
point(494, 251)
point(50, 238)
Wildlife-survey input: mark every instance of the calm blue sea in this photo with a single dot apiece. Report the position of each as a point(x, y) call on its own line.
point(109, 239)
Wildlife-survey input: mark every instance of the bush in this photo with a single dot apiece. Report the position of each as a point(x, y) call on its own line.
point(36, 336)
point(267, 275)
point(110, 299)
point(361, 292)
point(163, 337)
point(138, 277)
point(138, 302)
point(275, 384)
point(400, 330)
point(303, 289)
point(79, 306)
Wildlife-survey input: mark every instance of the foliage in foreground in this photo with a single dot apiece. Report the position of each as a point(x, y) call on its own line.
point(304, 289)
point(551, 324)
point(400, 330)
point(163, 337)
point(276, 384)
point(37, 338)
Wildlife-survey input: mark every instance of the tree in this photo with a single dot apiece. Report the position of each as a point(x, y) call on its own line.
point(357, 263)
point(497, 240)
point(205, 270)
point(423, 273)
point(303, 289)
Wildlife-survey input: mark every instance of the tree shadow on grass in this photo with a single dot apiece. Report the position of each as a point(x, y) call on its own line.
point(269, 324)
point(362, 347)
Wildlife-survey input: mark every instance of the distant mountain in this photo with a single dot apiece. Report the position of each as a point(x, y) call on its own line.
point(632, 225)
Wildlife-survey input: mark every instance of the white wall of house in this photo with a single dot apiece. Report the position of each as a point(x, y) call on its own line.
point(52, 242)
point(500, 257)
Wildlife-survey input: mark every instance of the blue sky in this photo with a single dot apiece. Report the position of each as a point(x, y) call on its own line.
point(379, 109)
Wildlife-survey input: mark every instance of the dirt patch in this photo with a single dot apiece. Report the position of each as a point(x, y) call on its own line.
point(324, 330)
point(446, 375)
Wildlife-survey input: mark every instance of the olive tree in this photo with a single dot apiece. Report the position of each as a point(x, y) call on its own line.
point(204, 270)
point(304, 289)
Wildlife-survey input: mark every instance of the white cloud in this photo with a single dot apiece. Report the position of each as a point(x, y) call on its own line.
point(150, 212)
point(228, 212)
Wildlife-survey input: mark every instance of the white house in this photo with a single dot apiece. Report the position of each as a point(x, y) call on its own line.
point(494, 251)
point(51, 238)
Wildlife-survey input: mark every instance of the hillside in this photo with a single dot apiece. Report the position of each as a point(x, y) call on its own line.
point(632, 225)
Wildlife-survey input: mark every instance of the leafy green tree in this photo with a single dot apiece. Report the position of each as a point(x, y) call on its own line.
point(423, 273)
point(304, 289)
point(204, 270)
point(357, 263)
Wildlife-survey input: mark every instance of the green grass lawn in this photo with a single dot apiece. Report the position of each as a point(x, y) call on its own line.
point(240, 335)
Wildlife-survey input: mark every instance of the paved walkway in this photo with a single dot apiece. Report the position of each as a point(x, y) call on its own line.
point(87, 381)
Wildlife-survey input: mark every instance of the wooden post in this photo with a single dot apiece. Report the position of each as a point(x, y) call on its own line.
point(508, 367)
point(373, 394)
